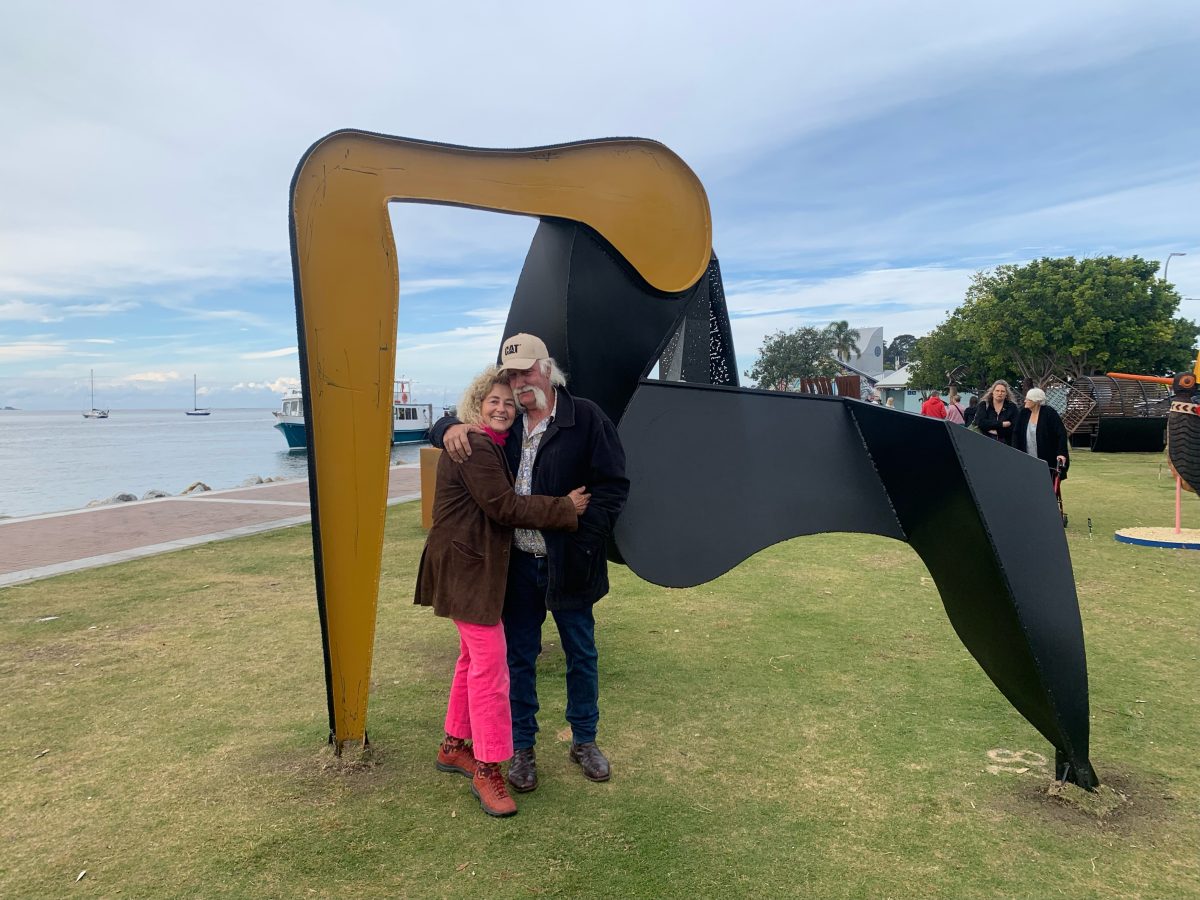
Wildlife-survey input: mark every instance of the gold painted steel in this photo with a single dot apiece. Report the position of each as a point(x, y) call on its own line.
point(638, 194)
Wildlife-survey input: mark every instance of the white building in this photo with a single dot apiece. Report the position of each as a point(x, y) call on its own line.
point(869, 359)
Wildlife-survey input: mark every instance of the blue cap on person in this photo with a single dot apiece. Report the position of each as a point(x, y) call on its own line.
point(521, 351)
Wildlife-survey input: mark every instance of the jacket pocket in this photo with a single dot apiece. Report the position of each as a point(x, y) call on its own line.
point(469, 552)
point(582, 561)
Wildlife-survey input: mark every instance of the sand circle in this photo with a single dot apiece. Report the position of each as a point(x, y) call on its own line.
point(1186, 539)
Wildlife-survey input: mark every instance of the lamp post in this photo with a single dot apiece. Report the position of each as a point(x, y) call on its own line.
point(1167, 264)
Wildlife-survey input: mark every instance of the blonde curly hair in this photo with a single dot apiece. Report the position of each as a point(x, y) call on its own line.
point(470, 405)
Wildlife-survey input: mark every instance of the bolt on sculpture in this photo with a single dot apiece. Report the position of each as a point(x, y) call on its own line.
point(621, 278)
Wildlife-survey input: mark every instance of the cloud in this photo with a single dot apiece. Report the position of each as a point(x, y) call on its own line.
point(278, 386)
point(271, 354)
point(30, 351)
point(24, 311)
point(147, 378)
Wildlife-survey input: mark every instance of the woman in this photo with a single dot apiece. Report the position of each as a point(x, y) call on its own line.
point(1039, 431)
point(463, 572)
point(996, 412)
point(954, 409)
point(969, 415)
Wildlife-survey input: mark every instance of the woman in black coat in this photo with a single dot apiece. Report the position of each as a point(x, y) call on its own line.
point(1040, 432)
point(996, 413)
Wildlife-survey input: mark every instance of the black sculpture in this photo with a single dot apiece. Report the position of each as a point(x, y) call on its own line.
point(1008, 590)
point(634, 288)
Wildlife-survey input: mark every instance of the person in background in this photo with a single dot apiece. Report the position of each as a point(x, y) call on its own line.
point(933, 407)
point(1039, 431)
point(954, 409)
point(996, 412)
point(969, 414)
point(562, 438)
point(891, 403)
point(462, 575)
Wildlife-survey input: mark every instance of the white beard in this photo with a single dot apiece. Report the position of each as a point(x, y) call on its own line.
point(539, 396)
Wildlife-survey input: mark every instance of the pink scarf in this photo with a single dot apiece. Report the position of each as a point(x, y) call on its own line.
point(498, 437)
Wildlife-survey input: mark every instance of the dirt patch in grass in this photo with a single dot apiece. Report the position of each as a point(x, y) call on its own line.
point(1123, 804)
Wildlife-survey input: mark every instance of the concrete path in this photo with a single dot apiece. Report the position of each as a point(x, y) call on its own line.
point(41, 546)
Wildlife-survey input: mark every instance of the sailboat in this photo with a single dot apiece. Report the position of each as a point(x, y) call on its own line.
point(94, 413)
point(196, 410)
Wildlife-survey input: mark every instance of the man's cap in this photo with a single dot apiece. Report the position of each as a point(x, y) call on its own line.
point(521, 351)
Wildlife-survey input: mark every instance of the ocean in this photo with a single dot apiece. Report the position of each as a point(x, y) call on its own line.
point(51, 461)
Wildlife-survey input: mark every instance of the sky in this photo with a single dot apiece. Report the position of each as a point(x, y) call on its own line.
point(862, 160)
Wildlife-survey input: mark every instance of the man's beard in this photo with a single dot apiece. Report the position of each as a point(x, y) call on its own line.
point(539, 396)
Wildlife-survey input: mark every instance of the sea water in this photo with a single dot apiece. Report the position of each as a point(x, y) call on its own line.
point(51, 461)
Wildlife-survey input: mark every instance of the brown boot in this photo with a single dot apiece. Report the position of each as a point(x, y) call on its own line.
point(522, 771)
point(594, 763)
point(455, 755)
point(488, 786)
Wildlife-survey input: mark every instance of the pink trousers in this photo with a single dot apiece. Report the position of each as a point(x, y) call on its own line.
point(478, 708)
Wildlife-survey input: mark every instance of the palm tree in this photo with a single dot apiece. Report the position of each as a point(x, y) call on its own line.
point(845, 340)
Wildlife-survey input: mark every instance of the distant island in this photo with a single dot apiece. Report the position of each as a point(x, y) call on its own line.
point(10, 408)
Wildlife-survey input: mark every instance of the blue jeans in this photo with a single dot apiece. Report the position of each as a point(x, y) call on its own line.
point(524, 613)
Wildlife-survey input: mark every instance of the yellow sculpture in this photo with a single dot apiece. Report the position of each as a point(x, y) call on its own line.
point(641, 197)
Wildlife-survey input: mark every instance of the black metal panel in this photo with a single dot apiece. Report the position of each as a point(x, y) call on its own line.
point(718, 474)
point(600, 320)
point(1005, 575)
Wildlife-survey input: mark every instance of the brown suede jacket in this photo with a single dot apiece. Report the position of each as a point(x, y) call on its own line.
point(464, 567)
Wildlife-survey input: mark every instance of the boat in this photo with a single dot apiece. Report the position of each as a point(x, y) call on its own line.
point(196, 410)
point(94, 413)
point(410, 421)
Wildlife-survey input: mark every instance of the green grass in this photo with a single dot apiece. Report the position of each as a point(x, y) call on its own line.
point(806, 725)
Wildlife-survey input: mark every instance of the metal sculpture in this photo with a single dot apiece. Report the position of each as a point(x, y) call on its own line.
point(1183, 447)
point(612, 308)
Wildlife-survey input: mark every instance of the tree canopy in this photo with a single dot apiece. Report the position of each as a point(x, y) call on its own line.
point(900, 351)
point(845, 340)
point(1062, 317)
point(786, 356)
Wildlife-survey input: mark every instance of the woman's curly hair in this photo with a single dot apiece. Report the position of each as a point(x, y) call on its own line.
point(470, 405)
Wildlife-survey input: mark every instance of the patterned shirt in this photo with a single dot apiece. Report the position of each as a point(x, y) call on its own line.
point(528, 539)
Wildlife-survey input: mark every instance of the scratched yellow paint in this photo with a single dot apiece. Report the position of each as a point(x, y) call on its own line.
point(638, 194)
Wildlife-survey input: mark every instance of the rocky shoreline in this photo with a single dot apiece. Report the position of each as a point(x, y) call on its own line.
point(196, 487)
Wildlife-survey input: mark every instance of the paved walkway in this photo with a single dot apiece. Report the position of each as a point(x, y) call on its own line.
point(41, 546)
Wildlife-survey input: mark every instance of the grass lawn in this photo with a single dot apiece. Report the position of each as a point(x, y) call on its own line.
point(807, 725)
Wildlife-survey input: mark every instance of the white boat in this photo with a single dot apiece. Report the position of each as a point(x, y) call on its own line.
point(94, 413)
point(196, 410)
point(410, 421)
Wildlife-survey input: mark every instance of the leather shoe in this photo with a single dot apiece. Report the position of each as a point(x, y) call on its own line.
point(488, 786)
point(455, 755)
point(594, 763)
point(522, 771)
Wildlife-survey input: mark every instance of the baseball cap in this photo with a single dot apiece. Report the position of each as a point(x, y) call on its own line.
point(521, 351)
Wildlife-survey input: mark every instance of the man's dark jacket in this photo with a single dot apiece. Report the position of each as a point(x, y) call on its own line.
point(580, 447)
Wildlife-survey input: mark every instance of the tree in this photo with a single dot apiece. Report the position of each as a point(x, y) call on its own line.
point(900, 351)
point(787, 356)
point(1063, 317)
point(845, 340)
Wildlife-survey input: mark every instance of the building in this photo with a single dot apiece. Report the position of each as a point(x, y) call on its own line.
point(869, 361)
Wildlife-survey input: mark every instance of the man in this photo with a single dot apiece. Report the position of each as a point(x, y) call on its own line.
point(566, 442)
point(933, 407)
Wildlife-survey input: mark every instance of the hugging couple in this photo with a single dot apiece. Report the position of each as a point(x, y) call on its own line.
point(529, 487)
